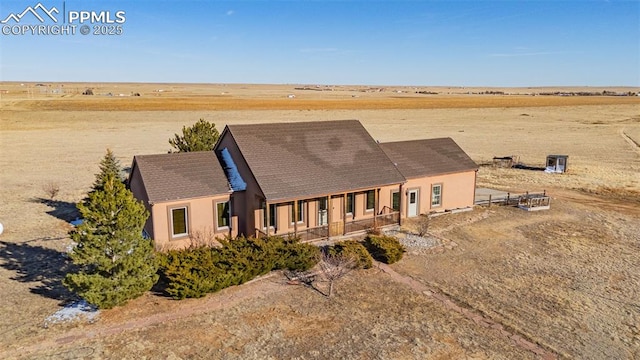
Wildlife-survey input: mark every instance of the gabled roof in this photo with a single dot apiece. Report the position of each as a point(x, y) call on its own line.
point(429, 157)
point(309, 159)
point(177, 176)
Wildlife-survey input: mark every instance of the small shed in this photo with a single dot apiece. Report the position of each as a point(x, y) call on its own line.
point(505, 161)
point(556, 163)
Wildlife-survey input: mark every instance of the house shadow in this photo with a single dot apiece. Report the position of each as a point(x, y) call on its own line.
point(62, 210)
point(42, 267)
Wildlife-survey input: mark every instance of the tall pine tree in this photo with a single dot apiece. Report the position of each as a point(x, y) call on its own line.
point(202, 136)
point(115, 262)
point(109, 165)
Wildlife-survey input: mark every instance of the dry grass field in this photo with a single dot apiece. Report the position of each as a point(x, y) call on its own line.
point(565, 279)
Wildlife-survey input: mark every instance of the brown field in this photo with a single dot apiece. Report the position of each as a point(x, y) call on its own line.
point(565, 279)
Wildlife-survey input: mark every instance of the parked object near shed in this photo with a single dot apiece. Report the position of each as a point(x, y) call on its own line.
point(556, 163)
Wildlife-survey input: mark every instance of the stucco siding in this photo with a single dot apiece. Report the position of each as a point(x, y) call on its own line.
point(136, 185)
point(201, 217)
point(457, 192)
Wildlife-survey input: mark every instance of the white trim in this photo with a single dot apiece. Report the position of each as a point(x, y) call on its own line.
point(301, 208)
point(439, 195)
point(218, 227)
point(415, 205)
point(186, 222)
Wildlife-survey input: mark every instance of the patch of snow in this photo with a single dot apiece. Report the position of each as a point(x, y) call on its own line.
point(70, 247)
point(76, 310)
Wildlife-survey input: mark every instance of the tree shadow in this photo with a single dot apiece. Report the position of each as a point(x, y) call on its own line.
point(43, 267)
point(62, 210)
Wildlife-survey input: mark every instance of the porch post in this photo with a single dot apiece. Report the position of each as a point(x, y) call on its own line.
point(295, 217)
point(268, 220)
point(344, 214)
point(376, 206)
point(399, 205)
point(329, 216)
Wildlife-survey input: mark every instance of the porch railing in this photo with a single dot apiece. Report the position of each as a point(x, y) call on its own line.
point(353, 226)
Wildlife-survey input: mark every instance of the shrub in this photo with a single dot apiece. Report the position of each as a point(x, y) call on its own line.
point(201, 136)
point(384, 248)
point(297, 256)
point(189, 273)
point(194, 272)
point(51, 189)
point(354, 250)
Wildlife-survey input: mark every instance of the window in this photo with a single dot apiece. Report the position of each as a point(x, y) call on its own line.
point(350, 208)
point(436, 195)
point(395, 201)
point(371, 200)
point(223, 212)
point(323, 213)
point(272, 215)
point(299, 216)
point(179, 222)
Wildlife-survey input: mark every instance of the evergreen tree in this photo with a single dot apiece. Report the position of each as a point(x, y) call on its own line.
point(202, 136)
point(109, 166)
point(115, 263)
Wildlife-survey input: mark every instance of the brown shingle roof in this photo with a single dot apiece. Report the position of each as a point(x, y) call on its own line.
point(176, 176)
point(417, 158)
point(308, 159)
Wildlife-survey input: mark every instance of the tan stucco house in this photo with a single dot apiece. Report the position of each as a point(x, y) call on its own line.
point(184, 193)
point(311, 179)
point(439, 175)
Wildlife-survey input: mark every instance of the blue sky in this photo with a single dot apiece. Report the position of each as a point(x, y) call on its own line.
point(423, 43)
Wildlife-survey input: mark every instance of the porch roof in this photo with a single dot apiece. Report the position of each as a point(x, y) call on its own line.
point(428, 157)
point(309, 159)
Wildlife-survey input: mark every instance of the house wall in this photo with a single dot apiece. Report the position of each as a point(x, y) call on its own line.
point(201, 216)
point(458, 191)
point(245, 202)
point(136, 185)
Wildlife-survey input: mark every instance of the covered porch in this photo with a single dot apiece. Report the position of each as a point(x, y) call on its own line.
point(331, 215)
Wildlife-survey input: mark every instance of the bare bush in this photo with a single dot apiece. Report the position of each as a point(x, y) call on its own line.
point(203, 237)
point(422, 225)
point(51, 189)
point(334, 267)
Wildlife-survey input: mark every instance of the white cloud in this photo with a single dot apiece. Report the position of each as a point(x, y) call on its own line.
point(230, 12)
